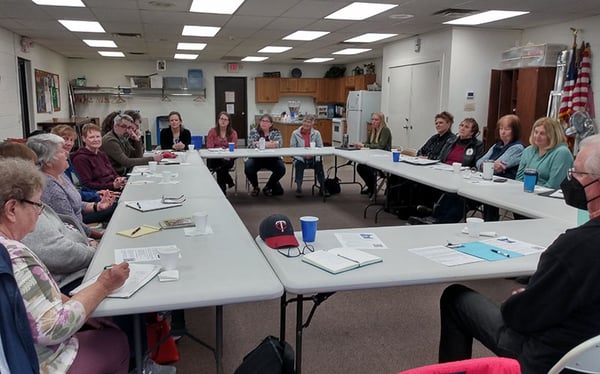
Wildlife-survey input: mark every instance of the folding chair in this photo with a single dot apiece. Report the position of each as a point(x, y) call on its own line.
point(485, 365)
point(584, 358)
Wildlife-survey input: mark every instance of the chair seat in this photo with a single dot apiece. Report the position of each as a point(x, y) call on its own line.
point(485, 365)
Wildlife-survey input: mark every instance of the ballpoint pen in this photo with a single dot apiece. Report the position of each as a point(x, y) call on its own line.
point(500, 252)
point(136, 230)
point(108, 267)
point(138, 205)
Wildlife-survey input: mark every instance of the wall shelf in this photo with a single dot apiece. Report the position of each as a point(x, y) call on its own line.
point(84, 94)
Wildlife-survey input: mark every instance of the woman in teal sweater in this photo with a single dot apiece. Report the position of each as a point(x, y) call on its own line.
point(548, 154)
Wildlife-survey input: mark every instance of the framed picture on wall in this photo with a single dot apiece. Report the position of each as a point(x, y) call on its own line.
point(47, 92)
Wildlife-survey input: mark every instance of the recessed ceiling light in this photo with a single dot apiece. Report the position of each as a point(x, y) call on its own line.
point(319, 59)
point(185, 56)
point(191, 46)
point(485, 17)
point(100, 43)
point(82, 26)
point(358, 11)
point(111, 54)
point(215, 7)
point(274, 49)
point(254, 58)
point(207, 31)
point(369, 38)
point(306, 35)
point(75, 3)
point(351, 51)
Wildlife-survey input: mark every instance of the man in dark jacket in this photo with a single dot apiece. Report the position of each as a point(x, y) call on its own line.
point(560, 307)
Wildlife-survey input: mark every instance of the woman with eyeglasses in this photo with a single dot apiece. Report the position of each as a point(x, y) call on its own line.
point(59, 193)
point(55, 320)
point(175, 137)
point(265, 134)
point(548, 154)
point(219, 137)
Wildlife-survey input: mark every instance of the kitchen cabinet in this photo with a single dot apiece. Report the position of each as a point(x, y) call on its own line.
point(298, 86)
point(267, 90)
point(523, 92)
point(288, 85)
point(328, 91)
point(325, 128)
point(307, 85)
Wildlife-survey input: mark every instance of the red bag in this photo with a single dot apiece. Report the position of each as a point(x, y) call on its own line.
point(156, 332)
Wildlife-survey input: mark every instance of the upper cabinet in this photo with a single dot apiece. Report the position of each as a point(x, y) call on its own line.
point(267, 90)
point(324, 90)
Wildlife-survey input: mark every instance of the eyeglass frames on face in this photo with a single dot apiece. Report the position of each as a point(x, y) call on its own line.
point(39, 205)
point(572, 171)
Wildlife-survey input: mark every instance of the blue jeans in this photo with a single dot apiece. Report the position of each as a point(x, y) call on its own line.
point(274, 164)
point(300, 165)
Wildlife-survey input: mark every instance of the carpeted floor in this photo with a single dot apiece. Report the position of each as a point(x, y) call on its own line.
point(367, 331)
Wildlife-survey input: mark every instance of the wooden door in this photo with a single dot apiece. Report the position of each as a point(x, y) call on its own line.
point(230, 96)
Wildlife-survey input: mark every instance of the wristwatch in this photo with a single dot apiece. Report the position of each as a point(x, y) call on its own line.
point(95, 206)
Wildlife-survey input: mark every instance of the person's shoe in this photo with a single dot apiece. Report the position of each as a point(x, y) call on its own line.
point(267, 192)
point(255, 191)
point(366, 191)
point(230, 184)
point(429, 220)
point(299, 192)
point(325, 193)
point(424, 210)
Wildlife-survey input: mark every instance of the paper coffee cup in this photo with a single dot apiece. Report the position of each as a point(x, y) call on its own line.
point(200, 220)
point(169, 257)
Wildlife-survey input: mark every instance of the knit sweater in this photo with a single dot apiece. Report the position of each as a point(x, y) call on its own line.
point(551, 167)
point(94, 169)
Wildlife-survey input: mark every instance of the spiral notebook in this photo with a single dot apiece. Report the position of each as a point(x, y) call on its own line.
point(139, 275)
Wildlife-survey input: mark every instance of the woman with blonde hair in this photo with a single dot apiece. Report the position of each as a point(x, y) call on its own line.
point(548, 154)
point(380, 137)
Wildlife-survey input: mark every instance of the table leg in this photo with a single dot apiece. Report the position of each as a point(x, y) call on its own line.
point(137, 340)
point(299, 327)
point(219, 340)
point(282, 317)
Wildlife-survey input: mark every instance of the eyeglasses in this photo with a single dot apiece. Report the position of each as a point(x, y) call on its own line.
point(296, 251)
point(572, 171)
point(39, 205)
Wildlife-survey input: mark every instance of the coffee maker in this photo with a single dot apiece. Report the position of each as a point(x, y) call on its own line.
point(294, 107)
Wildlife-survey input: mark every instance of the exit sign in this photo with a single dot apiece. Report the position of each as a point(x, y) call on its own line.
point(233, 68)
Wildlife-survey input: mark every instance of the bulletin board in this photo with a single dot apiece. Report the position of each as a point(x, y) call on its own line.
point(47, 92)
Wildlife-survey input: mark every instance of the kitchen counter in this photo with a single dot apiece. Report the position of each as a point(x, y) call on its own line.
point(287, 127)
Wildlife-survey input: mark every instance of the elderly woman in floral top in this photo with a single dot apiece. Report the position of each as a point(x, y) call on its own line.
point(55, 319)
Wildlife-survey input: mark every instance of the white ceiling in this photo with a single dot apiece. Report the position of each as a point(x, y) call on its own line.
point(256, 24)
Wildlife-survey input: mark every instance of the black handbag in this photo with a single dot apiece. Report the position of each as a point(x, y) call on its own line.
point(271, 356)
point(333, 185)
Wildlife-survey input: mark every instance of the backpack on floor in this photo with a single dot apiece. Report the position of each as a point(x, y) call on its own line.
point(270, 357)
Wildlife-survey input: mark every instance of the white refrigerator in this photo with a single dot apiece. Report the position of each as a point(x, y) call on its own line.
point(360, 106)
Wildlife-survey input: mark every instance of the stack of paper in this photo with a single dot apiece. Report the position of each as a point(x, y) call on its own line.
point(139, 275)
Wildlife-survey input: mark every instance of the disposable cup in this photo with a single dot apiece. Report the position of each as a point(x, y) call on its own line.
point(474, 226)
point(152, 165)
point(231, 147)
point(313, 144)
point(191, 147)
point(395, 155)
point(309, 228)
point(200, 220)
point(488, 169)
point(167, 176)
point(169, 257)
point(456, 167)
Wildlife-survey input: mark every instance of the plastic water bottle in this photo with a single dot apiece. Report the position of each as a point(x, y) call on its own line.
point(261, 144)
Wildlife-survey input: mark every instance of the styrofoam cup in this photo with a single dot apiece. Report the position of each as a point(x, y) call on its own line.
point(200, 220)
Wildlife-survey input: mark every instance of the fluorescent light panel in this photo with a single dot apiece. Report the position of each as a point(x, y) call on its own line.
point(215, 7)
point(306, 35)
point(81, 26)
point(100, 43)
point(111, 54)
point(274, 49)
point(191, 46)
point(206, 31)
point(254, 58)
point(351, 51)
point(485, 17)
point(369, 38)
point(359, 11)
point(185, 56)
point(74, 3)
point(319, 59)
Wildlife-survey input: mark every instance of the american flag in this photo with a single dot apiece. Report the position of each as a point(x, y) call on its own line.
point(582, 85)
point(566, 102)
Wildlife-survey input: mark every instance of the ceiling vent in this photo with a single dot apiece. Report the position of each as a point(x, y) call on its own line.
point(136, 53)
point(127, 35)
point(454, 12)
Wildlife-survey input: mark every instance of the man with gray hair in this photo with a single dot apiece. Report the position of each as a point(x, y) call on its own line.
point(123, 153)
point(559, 309)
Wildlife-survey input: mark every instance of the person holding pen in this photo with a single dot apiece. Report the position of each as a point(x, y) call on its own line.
point(55, 319)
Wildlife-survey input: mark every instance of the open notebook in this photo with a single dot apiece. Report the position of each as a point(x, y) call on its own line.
point(139, 275)
point(337, 260)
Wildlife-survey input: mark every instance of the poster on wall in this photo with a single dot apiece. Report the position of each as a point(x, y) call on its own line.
point(47, 92)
